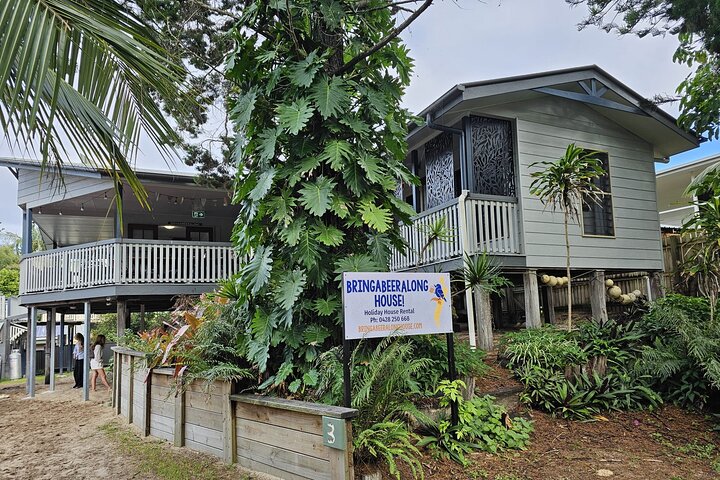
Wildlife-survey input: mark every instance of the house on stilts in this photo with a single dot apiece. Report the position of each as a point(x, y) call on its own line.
point(99, 260)
point(474, 155)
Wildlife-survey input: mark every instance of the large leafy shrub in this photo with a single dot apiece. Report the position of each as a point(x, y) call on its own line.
point(468, 362)
point(483, 425)
point(682, 353)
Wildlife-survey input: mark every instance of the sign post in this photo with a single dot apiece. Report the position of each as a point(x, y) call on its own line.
point(377, 305)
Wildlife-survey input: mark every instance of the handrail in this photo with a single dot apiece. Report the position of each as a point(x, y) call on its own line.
point(478, 223)
point(125, 240)
point(128, 262)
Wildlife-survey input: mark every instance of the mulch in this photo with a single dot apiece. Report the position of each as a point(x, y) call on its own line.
point(623, 445)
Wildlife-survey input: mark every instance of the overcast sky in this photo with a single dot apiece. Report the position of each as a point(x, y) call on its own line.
point(469, 40)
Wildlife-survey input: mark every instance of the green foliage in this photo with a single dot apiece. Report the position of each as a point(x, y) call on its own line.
point(483, 425)
point(682, 353)
point(390, 442)
point(468, 362)
point(78, 76)
point(547, 347)
point(481, 272)
point(567, 184)
point(556, 369)
point(9, 281)
point(697, 26)
point(321, 141)
point(586, 395)
point(702, 253)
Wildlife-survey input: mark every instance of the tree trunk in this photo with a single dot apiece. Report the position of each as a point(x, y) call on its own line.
point(483, 319)
point(567, 270)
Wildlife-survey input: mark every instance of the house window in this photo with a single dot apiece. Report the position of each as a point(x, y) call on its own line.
point(199, 234)
point(598, 213)
point(139, 231)
point(493, 164)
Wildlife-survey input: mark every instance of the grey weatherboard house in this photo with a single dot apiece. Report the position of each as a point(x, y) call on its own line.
point(474, 155)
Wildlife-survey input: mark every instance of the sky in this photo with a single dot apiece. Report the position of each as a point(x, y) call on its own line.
point(469, 40)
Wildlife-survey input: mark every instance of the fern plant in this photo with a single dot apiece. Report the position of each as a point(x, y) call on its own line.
point(391, 442)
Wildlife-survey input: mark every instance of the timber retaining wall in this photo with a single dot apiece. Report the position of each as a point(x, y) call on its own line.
point(288, 439)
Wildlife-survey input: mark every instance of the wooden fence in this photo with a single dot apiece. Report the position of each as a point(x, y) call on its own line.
point(287, 439)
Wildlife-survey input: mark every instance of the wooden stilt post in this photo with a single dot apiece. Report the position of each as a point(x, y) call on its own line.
point(598, 303)
point(548, 302)
point(48, 338)
point(142, 317)
point(483, 315)
point(61, 353)
point(32, 335)
point(532, 299)
point(88, 354)
point(51, 329)
point(121, 316)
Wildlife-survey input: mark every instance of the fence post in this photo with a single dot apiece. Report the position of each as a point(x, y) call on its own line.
point(179, 430)
point(131, 385)
point(147, 403)
point(341, 461)
point(229, 425)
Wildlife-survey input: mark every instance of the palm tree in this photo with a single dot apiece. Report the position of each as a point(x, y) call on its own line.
point(565, 185)
point(82, 77)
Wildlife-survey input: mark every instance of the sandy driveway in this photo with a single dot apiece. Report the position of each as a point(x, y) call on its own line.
point(57, 436)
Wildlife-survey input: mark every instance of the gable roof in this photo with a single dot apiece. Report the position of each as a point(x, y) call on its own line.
point(618, 102)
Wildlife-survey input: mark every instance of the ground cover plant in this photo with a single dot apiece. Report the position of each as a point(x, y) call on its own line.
point(669, 353)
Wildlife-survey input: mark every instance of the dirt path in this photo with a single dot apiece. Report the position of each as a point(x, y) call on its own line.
point(58, 436)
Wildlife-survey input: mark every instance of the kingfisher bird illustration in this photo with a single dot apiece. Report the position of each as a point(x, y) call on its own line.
point(439, 292)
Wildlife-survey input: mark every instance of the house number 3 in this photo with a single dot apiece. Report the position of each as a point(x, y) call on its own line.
point(334, 432)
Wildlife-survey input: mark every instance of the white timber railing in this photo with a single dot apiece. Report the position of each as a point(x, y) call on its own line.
point(123, 262)
point(490, 224)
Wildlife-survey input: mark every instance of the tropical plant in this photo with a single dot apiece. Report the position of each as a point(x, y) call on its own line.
point(546, 347)
point(566, 184)
point(316, 101)
point(468, 362)
point(81, 76)
point(482, 425)
point(390, 442)
point(586, 395)
point(683, 350)
point(702, 259)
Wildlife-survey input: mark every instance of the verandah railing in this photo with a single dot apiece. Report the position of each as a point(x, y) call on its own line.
point(490, 224)
point(118, 262)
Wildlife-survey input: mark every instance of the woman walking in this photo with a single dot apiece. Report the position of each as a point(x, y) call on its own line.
point(96, 364)
point(79, 356)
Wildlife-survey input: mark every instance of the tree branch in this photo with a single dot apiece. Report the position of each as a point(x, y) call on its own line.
point(385, 40)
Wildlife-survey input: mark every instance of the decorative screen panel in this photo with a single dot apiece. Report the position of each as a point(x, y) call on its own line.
point(493, 165)
point(439, 170)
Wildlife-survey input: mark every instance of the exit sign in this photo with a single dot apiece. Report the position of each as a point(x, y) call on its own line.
point(198, 214)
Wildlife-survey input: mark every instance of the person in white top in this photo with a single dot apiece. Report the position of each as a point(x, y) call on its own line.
point(96, 363)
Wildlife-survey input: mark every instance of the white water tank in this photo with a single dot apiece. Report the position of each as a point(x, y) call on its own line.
point(15, 365)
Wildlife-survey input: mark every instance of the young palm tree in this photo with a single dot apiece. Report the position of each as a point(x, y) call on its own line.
point(564, 185)
point(82, 76)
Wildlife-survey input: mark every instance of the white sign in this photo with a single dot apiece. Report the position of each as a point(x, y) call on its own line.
point(383, 304)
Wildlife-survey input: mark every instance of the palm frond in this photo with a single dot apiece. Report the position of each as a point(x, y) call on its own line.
point(81, 77)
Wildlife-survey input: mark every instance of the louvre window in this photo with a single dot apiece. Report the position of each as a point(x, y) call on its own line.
point(598, 213)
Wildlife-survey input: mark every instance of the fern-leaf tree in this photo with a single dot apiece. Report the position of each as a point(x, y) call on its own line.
point(316, 98)
point(703, 254)
point(81, 77)
point(565, 185)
